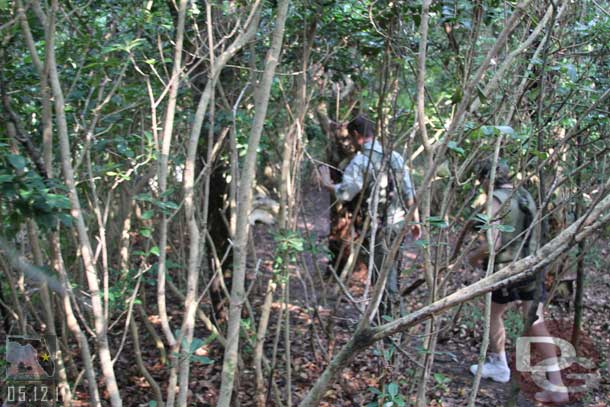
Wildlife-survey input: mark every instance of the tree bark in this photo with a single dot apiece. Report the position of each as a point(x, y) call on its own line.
point(244, 205)
point(81, 228)
point(166, 140)
point(191, 302)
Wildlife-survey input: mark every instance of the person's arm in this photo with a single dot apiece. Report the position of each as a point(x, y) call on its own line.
point(477, 255)
point(416, 228)
point(483, 251)
point(325, 179)
point(349, 186)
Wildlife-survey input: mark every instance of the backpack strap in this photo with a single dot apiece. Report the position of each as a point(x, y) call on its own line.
point(525, 207)
point(374, 161)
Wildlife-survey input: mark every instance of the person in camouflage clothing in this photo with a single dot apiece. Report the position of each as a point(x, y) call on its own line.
point(387, 187)
point(514, 209)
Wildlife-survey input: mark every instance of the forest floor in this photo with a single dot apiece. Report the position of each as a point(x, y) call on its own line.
point(458, 344)
point(314, 311)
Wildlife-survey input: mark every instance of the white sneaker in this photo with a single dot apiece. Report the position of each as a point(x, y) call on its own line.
point(494, 368)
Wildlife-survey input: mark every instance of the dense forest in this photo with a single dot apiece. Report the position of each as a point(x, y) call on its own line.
point(172, 232)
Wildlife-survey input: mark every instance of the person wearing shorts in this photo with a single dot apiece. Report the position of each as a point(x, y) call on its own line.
point(514, 208)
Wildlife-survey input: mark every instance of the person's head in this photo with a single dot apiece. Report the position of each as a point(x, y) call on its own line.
point(483, 172)
point(361, 129)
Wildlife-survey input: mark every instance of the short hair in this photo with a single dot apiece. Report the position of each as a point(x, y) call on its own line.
point(483, 172)
point(362, 125)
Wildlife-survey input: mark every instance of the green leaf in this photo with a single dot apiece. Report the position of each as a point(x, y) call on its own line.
point(144, 197)
point(58, 201)
point(65, 219)
point(168, 205)
point(152, 403)
point(145, 232)
point(437, 221)
point(167, 193)
point(204, 360)
point(494, 130)
point(155, 250)
point(481, 95)
point(505, 129)
point(540, 154)
point(133, 44)
point(457, 96)
point(148, 215)
point(441, 378)
point(26, 193)
point(422, 243)
point(6, 178)
point(453, 146)
point(481, 217)
point(17, 161)
point(487, 130)
point(392, 389)
point(505, 228)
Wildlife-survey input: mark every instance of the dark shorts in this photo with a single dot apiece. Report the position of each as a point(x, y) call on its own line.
point(521, 291)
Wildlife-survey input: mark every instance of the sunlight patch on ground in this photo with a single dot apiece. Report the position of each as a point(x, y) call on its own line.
point(301, 313)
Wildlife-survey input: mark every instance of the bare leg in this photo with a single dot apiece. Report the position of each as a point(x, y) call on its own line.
point(497, 334)
point(496, 366)
point(548, 351)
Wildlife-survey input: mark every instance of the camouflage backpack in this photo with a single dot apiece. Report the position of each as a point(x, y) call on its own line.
point(518, 214)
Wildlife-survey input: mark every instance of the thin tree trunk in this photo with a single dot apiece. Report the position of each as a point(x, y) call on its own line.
point(18, 313)
point(47, 137)
point(580, 269)
point(287, 355)
point(49, 317)
point(191, 302)
point(72, 323)
point(243, 209)
point(153, 333)
point(429, 339)
point(490, 270)
point(35, 244)
point(135, 336)
point(84, 243)
point(508, 62)
point(166, 141)
point(260, 341)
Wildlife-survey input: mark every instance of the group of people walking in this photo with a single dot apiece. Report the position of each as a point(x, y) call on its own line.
point(389, 193)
